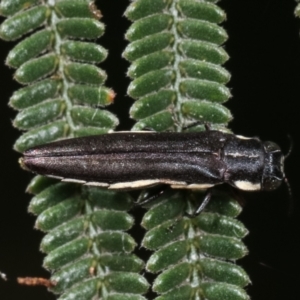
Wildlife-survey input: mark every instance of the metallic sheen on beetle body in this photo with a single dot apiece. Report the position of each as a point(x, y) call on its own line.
point(133, 160)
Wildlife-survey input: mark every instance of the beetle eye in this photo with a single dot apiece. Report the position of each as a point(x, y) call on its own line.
point(271, 183)
point(271, 147)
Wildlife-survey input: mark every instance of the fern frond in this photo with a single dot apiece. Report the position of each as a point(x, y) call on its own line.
point(190, 253)
point(176, 56)
point(59, 69)
point(88, 250)
point(86, 243)
point(177, 80)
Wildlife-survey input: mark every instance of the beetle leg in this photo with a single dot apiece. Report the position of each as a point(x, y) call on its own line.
point(202, 205)
point(193, 124)
point(153, 197)
point(207, 126)
point(147, 128)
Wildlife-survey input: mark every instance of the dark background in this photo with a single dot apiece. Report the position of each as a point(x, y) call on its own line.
point(264, 46)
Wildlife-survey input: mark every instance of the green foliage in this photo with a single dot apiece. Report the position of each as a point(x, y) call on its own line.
point(58, 69)
point(88, 250)
point(176, 56)
point(191, 253)
point(177, 79)
point(86, 243)
point(297, 10)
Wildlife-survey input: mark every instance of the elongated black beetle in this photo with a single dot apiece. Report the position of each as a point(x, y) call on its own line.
point(133, 160)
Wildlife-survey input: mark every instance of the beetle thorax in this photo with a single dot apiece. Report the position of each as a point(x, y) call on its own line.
point(273, 173)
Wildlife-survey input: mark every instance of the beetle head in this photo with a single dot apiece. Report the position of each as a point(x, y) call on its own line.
point(273, 173)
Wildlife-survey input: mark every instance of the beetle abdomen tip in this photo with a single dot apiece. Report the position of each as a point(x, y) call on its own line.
point(23, 164)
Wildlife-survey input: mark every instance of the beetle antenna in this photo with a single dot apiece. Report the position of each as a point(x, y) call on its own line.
point(286, 181)
point(291, 147)
point(291, 200)
point(207, 126)
point(150, 198)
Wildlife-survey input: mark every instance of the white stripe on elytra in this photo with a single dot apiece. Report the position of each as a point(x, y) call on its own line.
point(247, 185)
point(237, 154)
point(134, 184)
point(193, 186)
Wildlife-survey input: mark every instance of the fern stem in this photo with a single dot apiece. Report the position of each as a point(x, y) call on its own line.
point(57, 47)
point(179, 120)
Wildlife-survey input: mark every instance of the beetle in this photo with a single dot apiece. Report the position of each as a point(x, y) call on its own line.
point(134, 160)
